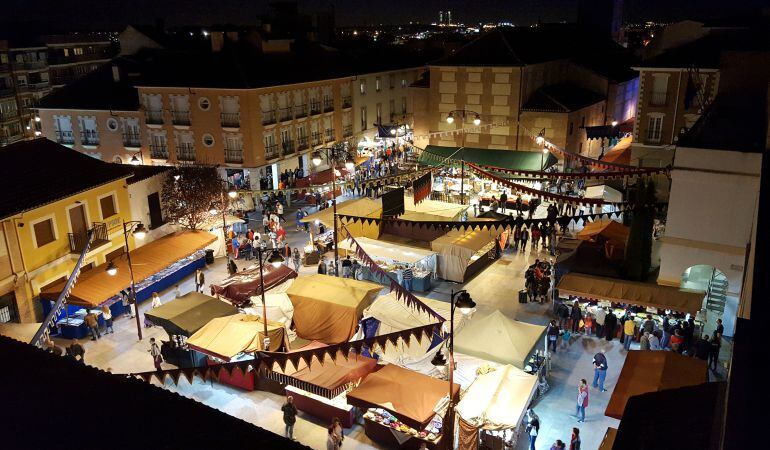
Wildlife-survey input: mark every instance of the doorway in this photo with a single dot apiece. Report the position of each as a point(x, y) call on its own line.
point(714, 283)
point(156, 213)
point(78, 222)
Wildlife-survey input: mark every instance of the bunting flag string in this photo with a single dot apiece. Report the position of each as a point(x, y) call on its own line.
point(390, 179)
point(578, 175)
point(458, 131)
point(401, 294)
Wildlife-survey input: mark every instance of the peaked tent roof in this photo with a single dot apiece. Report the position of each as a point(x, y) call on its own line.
point(433, 155)
point(189, 313)
point(500, 339)
point(613, 231)
point(227, 337)
point(497, 400)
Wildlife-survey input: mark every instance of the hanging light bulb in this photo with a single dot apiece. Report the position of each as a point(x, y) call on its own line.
point(465, 303)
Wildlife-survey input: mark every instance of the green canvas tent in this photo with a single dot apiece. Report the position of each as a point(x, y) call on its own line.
point(434, 155)
point(189, 313)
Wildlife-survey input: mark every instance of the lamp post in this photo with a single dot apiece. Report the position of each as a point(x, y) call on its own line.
point(274, 257)
point(232, 193)
point(138, 231)
point(458, 300)
point(334, 155)
point(464, 114)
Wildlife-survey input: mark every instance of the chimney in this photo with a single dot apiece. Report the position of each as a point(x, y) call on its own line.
point(217, 41)
point(115, 73)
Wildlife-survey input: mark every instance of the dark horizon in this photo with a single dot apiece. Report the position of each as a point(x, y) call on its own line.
point(114, 14)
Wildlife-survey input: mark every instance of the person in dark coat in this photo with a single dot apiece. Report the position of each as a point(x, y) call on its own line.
point(576, 315)
point(609, 325)
point(289, 416)
point(702, 348)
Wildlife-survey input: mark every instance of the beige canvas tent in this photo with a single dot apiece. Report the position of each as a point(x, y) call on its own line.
point(458, 249)
point(390, 251)
point(226, 337)
point(362, 207)
point(327, 309)
point(500, 339)
point(432, 210)
point(498, 400)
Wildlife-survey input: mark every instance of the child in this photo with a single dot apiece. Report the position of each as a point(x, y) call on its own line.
point(588, 323)
point(565, 337)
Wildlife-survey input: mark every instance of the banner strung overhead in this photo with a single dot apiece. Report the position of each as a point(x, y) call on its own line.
point(458, 131)
point(422, 187)
point(577, 175)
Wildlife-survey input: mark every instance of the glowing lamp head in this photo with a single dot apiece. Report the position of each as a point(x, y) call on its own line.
point(316, 159)
point(465, 303)
point(275, 259)
point(140, 232)
point(438, 360)
point(111, 269)
point(232, 193)
point(134, 161)
point(450, 118)
point(213, 210)
point(545, 150)
point(349, 164)
point(393, 131)
point(614, 123)
point(477, 120)
point(37, 119)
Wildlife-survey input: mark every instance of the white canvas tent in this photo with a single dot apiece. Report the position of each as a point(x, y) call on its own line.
point(458, 249)
point(606, 193)
point(389, 250)
point(279, 307)
point(498, 400)
point(500, 339)
point(432, 210)
point(214, 226)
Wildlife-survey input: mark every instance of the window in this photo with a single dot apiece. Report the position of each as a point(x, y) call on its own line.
point(108, 206)
point(77, 51)
point(654, 128)
point(204, 104)
point(156, 212)
point(377, 84)
point(403, 82)
point(362, 86)
point(44, 232)
point(112, 124)
point(208, 140)
point(363, 118)
point(659, 89)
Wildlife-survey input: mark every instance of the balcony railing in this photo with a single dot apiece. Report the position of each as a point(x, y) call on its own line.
point(78, 240)
point(268, 117)
point(302, 143)
point(154, 117)
point(347, 102)
point(316, 139)
point(185, 152)
point(180, 118)
point(300, 111)
point(288, 147)
point(30, 65)
point(330, 134)
point(159, 151)
point(658, 99)
point(234, 155)
point(65, 137)
point(347, 130)
point(89, 137)
point(271, 151)
point(315, 107)
point(328, 105)
point(285, 114)
point(6, 91)
point(9, 115)
point(230, 120)
point(131, 140)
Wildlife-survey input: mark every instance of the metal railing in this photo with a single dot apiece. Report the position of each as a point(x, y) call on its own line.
point(29, 65)
point(315, 107)
point(78, 241)
point(330, 134)
point(230, 120)
point(302, 142)
point(271, 151)
point(347, 130)
point(131, 139)
point(285, 114)
point(159, 151)
point(288, 147)
point(658, 99)
point(65, 137)
point(347, 102)
point(180, 118)
point(234, 155)
point(89, 137)
point(653, 138)
point(300, 111)
point(10, 115)
point(316, 139)
point(185, 152)
point(268, 117)
point(328, 105)
point(154, 117)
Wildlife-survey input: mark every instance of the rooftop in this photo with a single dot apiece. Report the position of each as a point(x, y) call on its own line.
point(729, 123)
point(97, 91)
point(38, 171)
point(706, 52)
point(561, 98)
point(144, 172)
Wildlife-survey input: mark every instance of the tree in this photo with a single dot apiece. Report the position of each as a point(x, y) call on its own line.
point(188, 194)
point(638, 257)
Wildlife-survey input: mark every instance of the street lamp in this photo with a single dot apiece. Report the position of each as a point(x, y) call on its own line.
point(232, 192)
point(134, 161)
point(275, 259)
point(334, 155)
point(458, 300)
point(138, 230)
point(450, 118)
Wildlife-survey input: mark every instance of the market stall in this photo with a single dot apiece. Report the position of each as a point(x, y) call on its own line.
point(496, 401)
point(652, 371)
point(181, 318)
point(390, 256)
point(157, 265)
point(327, 308)
point(320, 388)
point(500, 339)
point(401, 407)
point(463, 253)
point(362, 207)
point(606, 193)
point(245, 284)
point(213, 225)
point(611, 234)
point(225, 338)
point(432, 210)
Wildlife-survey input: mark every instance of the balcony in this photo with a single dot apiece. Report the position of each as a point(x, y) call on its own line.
point(300, 111)
point(288, 147)
point(154, 116)
point(316, 139)
point(180, 118)
point(65, 137)
point(185, 152)
point(347, 102)
point(89, 137)
point(268, 117)
point(78, 240)
point(39, 86)
point(9, 115)
point(658, 99)
point(271, 151)
point(29, 65)
point(328, 105)
point(315, 107)
point(234, 155)
point(131, 140)
point(159, 151)
point(6, 91)
point(230, 120)
point(330, 134)
point(302, 143)
point(347, 131)
point(285, 114)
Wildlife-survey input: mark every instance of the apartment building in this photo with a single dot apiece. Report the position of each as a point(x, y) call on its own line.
point(98, 115)
point(546, 79)
point(24, 80)
point(71, 56)
point(381, 98)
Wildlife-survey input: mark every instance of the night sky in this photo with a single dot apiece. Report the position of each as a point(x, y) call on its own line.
point(113, 14)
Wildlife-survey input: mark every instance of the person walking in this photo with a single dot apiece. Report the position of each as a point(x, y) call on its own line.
point(128, 309)
point(714, 347)
point(200, 280)
point(533, 428)
point(599, 318)
point(347, 264)
point(408, 276)
point(337, 428)
point(588, 324)
point(322, 266)
point(582, 401)
point(667, 331)
point(516, 239)
point(628, 332)
point(600, 370)
point(524, 239)
point(654, 340)
point(76, 351)
point(93, 325)
point(574, 442)
point(331, 440)
point(154, 351)
point(553, 335)
point(576, 315)
point(648, 325)
point(107, 314)
point(535, 238)
point(297, 259)
point(289, 416)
